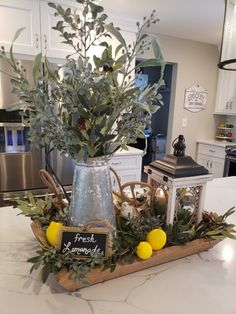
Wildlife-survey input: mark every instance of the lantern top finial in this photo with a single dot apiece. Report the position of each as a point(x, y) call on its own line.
point(179, 146)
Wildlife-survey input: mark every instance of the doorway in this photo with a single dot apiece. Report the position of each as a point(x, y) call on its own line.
point(159, 134)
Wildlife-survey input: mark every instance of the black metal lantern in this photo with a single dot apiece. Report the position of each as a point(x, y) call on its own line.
point(178, 165)
point(228, 43)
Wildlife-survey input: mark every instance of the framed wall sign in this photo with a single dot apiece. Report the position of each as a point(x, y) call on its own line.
point(195, 98)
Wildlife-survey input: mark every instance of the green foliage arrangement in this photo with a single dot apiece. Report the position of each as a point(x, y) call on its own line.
point(42, 210)
point(89, 106)
point(130, 231)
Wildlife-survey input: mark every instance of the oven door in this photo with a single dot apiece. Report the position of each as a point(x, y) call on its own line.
point(230, 166)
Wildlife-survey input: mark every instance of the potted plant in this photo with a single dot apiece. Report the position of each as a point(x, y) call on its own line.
point(88, 107)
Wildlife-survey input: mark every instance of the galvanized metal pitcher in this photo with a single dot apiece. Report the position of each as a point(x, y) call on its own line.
point(91, 193)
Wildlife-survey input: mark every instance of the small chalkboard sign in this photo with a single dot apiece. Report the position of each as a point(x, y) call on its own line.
point(83, 244)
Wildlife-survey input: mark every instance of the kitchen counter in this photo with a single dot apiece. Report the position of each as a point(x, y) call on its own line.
point(203, 283)
point(220, 143)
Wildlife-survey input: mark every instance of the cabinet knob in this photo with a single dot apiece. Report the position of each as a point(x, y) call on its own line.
point(45, 42)
point(37, 40)
point(116, 162)
point(212, 150)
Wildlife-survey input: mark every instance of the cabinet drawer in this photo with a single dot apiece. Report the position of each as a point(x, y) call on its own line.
point(211, 150)
point(126, 162)
point(130, 176)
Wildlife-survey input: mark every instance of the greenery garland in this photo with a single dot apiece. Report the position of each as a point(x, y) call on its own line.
point(130, 231)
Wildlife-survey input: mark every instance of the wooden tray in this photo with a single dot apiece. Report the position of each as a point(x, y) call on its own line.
point(159, 257)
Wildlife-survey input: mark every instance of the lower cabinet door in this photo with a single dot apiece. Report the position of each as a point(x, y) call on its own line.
point(203, 160)
point(217, 167)
point(214, 165)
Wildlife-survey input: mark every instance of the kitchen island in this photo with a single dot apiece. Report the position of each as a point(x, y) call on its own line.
point(204, 283)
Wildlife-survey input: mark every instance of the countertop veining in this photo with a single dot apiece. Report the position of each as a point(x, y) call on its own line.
point(204, 283)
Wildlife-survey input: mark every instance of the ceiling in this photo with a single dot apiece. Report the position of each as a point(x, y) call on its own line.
point(199, 20)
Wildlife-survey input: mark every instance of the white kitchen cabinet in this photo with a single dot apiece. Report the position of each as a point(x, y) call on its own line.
point(38, 36)
point(226, 93)
point(127, 164)
point(212, 164)
point(52, 45)
point(212, 158)
point(15, 14)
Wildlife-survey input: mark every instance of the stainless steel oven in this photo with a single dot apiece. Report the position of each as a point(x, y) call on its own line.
point(230, 161)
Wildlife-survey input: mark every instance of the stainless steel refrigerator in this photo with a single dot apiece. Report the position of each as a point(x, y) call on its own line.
point(19, 162)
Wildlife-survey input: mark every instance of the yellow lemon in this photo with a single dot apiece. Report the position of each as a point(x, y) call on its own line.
point(144, 250)
point(52, 232)
point(156, 238)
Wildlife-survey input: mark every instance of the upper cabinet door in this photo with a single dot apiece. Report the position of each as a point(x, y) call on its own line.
point(15, 14)
point(226, 93)
point(52, 45)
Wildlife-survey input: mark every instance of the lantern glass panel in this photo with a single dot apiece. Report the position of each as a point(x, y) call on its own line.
point(186, 204)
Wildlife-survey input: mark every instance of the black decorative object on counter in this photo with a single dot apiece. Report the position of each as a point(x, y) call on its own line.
point(178, 165)
point(179, 146)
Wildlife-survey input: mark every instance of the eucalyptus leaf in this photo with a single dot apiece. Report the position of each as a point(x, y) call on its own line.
point(17, 34)
point(151, 63)
point(97, 61)
point(33, 259)
point(80, 154)
point(37, 67)
point(118, 48)
point(157, 49)
point(18, 105)
point(46, 270)
point(111, 29)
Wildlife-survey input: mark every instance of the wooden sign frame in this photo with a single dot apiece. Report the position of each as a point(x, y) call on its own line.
point(78, 239)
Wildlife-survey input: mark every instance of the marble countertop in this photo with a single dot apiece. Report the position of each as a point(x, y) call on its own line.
point(204, 283)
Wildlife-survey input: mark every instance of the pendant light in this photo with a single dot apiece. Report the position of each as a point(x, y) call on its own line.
point(228, 43)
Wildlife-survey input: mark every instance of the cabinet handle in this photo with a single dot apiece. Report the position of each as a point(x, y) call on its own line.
point(227, 105)
point(207, 163)
point(37, 39)
point(116, 162)
point(212, 150)
point(211, 164)
point(45, 42)
point(230, 106)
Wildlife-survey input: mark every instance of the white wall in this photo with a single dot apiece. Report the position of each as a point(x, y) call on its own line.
point(194, 63)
